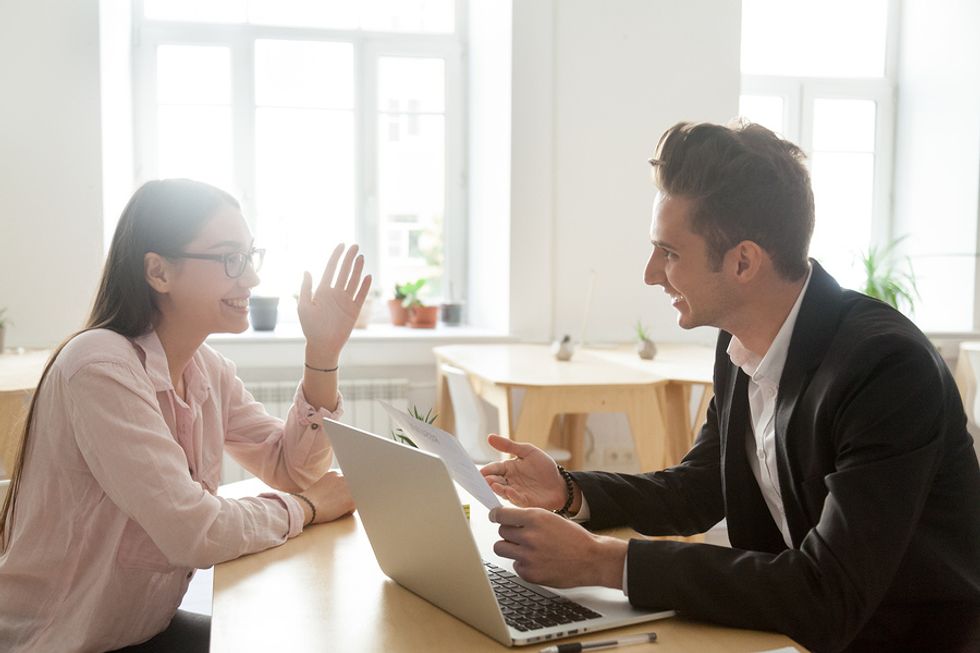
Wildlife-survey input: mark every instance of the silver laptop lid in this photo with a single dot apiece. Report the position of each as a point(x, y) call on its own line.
point(440, 561)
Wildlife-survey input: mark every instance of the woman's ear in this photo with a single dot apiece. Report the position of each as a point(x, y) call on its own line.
point(157, 271)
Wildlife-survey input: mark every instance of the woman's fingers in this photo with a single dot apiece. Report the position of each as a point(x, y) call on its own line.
point(363, 291)
point(306, 289)
point(355, 277)
point(345, 268)
point(331, 268)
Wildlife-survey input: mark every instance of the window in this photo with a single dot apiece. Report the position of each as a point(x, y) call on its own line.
point(819, 74)
point(330, 121)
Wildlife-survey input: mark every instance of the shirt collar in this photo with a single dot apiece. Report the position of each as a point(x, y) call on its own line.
point(769, 368)
point(155, 360)
point(158, 369)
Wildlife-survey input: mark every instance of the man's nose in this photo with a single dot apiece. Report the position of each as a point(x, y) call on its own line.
point(654, 272)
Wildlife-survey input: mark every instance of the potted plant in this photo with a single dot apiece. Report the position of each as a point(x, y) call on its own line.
point(644, 345)
point(398, 435)
point(420, 316)
point(885, 281)
point(396, 305)
point(3, 327)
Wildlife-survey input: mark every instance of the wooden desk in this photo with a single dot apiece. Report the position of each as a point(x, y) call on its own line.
point(324, 591)
point(654, 395)
point(19, 375)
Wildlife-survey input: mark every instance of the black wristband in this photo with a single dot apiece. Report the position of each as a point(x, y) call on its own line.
point(310, 504)
point(321, 369)
point(569, 488)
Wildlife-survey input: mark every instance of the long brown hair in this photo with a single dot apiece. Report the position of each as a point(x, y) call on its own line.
point(162, 216)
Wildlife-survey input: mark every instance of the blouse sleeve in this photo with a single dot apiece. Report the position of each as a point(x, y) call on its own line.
point(132, 454)
point(288, 456)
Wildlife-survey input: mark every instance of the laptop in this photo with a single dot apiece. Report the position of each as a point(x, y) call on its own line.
point(423, 541)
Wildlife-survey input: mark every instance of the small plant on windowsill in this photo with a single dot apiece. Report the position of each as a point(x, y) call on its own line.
point(398, 435)
point(884, 280)
point(420, 316)
point(3, 326)
point(644, 344)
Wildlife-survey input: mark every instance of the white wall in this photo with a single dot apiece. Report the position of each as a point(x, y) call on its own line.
point(50, 166)
point(937, 154)
point(594, 86)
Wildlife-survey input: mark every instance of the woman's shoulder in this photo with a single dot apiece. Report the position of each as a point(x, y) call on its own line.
point(96, 346)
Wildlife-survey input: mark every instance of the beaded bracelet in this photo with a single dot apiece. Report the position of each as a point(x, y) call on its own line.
point(310, 504)
point(569, 488)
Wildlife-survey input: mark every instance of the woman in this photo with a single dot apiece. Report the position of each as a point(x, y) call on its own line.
point(112, 502)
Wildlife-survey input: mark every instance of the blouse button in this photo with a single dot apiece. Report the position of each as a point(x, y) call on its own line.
point(314, 426)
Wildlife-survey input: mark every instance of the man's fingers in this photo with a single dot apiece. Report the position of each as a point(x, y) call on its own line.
point(506, 549)
point(509, 516)
point(500, 443)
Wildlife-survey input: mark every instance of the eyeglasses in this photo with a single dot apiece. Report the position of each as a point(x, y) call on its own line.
point(234, 262)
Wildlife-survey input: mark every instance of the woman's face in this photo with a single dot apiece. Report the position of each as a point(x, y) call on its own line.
point(202, 299)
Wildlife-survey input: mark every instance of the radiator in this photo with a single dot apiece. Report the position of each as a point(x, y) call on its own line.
point(360, 408)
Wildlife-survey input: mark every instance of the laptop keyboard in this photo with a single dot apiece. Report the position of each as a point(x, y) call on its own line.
point(527, 607)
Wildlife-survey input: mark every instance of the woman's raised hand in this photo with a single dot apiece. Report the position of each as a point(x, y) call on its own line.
point(327, 314)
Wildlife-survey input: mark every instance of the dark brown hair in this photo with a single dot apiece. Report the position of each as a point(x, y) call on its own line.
point(162, 216)
point(746, 183)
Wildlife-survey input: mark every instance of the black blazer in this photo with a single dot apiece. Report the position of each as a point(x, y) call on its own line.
point(879, 482)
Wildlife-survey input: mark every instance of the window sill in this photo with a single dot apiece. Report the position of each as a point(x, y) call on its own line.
point(378, 345)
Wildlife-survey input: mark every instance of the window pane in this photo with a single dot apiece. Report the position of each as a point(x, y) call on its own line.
point(195, 142)
point(204, 11)
point(766, 110)
point(411, 178)
point(411, 85)
point(830, 38)
point(843, 125)
point(843, 187)
point(304, 74)
point(191, 74)
point(304, 190)
point(408, 15)
point(333, 14)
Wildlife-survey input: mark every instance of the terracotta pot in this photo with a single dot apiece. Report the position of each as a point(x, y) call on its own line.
point(399, 314)
point(423, 317)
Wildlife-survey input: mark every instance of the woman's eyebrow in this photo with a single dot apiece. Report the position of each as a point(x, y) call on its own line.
point(229, 243)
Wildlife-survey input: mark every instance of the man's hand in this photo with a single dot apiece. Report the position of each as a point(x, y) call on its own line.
point(550, 550)
point(530, 479)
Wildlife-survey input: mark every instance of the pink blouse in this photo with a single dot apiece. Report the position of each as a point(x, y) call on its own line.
point(117, 504)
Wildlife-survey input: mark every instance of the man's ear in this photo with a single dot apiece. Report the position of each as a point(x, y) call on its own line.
point(157, 271)
point(746, 260)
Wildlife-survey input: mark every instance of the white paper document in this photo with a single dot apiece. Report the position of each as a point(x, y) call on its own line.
point(445, 445)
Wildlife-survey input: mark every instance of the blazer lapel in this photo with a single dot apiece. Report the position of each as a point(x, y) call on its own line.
point(815, 328)
point(750, 525)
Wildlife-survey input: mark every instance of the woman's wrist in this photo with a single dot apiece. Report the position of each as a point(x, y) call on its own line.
point(321, 358)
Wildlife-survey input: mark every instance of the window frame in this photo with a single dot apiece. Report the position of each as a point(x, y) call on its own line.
point(368, 47)
point(799, 94)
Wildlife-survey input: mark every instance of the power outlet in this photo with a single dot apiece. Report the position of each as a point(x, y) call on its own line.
point(618, 457)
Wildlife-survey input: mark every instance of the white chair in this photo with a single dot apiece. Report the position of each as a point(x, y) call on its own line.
point(968, 380)
point(472, 421)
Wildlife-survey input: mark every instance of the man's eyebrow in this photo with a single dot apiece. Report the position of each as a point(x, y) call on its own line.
point(660, 243)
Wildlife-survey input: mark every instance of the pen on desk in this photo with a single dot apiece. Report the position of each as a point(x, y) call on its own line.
point(575, 647)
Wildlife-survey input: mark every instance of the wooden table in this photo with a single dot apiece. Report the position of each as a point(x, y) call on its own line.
point(654, 395)
point(19, 375)
point(324, 591)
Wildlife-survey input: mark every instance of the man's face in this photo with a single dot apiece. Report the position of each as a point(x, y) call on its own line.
point(680, 264)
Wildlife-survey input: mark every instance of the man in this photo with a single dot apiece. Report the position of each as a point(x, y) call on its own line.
point(835, 446)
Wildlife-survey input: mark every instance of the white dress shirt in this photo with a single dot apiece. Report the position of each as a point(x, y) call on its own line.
point(760, 444)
